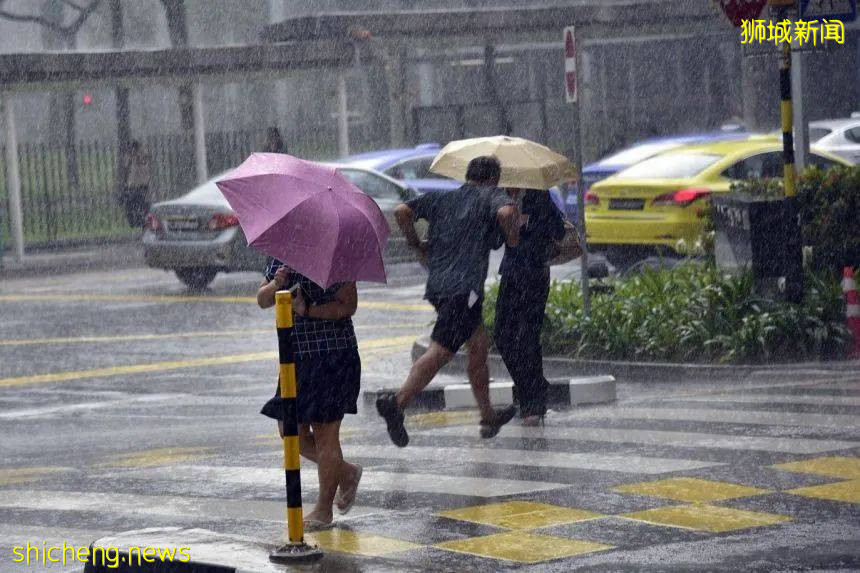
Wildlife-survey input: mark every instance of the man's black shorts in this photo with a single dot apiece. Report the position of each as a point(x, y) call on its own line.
point(456, 321)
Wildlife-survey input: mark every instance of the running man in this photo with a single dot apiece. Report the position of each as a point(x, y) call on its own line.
point(464, 227)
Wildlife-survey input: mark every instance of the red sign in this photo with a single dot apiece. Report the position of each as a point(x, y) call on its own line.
point(570, 64)
point(740, 10)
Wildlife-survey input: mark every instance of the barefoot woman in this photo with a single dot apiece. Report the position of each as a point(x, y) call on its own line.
point(328, 373)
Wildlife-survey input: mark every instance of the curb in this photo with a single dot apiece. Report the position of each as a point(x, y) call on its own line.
point(562, 392)
point(204, 551)
point(645, 371)
point(108, 255)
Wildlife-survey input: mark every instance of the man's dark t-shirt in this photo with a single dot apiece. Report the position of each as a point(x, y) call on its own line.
point(463, 230)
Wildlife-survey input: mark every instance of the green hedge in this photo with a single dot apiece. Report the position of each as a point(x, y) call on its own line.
point(693, 313)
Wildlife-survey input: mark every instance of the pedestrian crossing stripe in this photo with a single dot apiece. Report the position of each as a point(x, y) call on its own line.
point(844, 491)
point(521, 547)
point(669, 438)
point(833, 466)
point(702, 517)
point(754, 417)
point(519, 514)
point(533, 458)
point(691, 490)
point(782, 399)
point(370, 481)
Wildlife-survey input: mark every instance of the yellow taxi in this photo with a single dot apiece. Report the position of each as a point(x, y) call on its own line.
point(663, 199)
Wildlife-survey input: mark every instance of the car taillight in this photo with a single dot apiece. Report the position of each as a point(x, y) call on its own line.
point(680, 198)
point(152, 223)
point(222, 221)
point(591, 199)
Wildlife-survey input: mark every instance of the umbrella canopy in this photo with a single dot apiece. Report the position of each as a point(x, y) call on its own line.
point(525, 164)
point(308, 216)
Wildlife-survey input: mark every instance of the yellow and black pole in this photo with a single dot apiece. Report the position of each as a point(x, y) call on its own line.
point(295, 549)
point(787, 117)
point(792, 265)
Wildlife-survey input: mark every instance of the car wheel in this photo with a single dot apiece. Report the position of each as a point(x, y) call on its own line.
point(196, 278)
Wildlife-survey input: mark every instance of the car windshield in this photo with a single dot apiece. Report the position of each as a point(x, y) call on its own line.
point(638, 153)
point(816, 133)
point(670, 166)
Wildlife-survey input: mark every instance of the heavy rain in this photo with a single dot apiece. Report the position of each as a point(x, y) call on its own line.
point(439, 285)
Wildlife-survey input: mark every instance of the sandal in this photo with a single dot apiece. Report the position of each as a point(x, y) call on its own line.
point(311, 525)
point(348, 496)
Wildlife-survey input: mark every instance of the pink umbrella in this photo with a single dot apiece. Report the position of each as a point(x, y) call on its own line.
point(308, 216)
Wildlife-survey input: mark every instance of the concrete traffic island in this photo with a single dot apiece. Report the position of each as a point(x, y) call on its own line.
point(197, 550)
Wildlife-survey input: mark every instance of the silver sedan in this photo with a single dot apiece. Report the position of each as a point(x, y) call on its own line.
point(198, 235)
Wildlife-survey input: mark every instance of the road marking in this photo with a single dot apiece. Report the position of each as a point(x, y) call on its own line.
point(522, 547)
point(586, 461)
point(156, 457)
point(727, 416)
point(12, 476)
point(691, 490)
point(847, 491)
point(833, 466)
point(196, 334)
point(186, 507)
point(442, 419)
point(136, 369)
point(368, 304)
point(358, 543)
point(378, 343)
point(706, 517)
point(664, 438)
point(519, 514)
point(36, 412)
point(786, 399)
point(371, 480)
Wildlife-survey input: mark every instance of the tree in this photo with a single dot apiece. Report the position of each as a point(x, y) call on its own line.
point(52, 19)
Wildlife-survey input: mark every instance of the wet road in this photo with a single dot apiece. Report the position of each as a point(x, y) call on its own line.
point(127, 402)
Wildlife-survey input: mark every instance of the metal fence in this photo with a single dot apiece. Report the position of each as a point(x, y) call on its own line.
point(63, 208)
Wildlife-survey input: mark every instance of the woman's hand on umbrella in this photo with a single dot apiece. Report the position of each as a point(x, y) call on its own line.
point(280, 277)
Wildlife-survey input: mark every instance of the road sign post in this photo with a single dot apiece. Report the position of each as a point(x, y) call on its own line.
point(571, 89)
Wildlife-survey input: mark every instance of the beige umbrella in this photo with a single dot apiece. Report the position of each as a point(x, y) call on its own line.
point(525, 164)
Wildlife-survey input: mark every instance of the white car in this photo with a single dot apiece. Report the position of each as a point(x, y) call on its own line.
point(198, 235)
point(838, 136)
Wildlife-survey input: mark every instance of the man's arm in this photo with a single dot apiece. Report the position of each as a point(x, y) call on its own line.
point(508, 217)
point(405, 217)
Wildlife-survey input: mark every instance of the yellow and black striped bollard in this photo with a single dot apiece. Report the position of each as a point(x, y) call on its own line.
point(295, 549)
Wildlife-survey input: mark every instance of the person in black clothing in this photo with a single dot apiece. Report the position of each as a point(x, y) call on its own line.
point(274, 141)
point(523, 292)
point(464, 226)
point(328, 376)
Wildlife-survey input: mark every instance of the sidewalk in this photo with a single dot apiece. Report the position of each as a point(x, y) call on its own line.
point(125, 254)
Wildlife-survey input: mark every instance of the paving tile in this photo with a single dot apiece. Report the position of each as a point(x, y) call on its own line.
point(523, 547)
point(692, 490)
point(357, 543)
point(519, 514)
point(848, 491)
point(832, 466)
point(707, 517)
